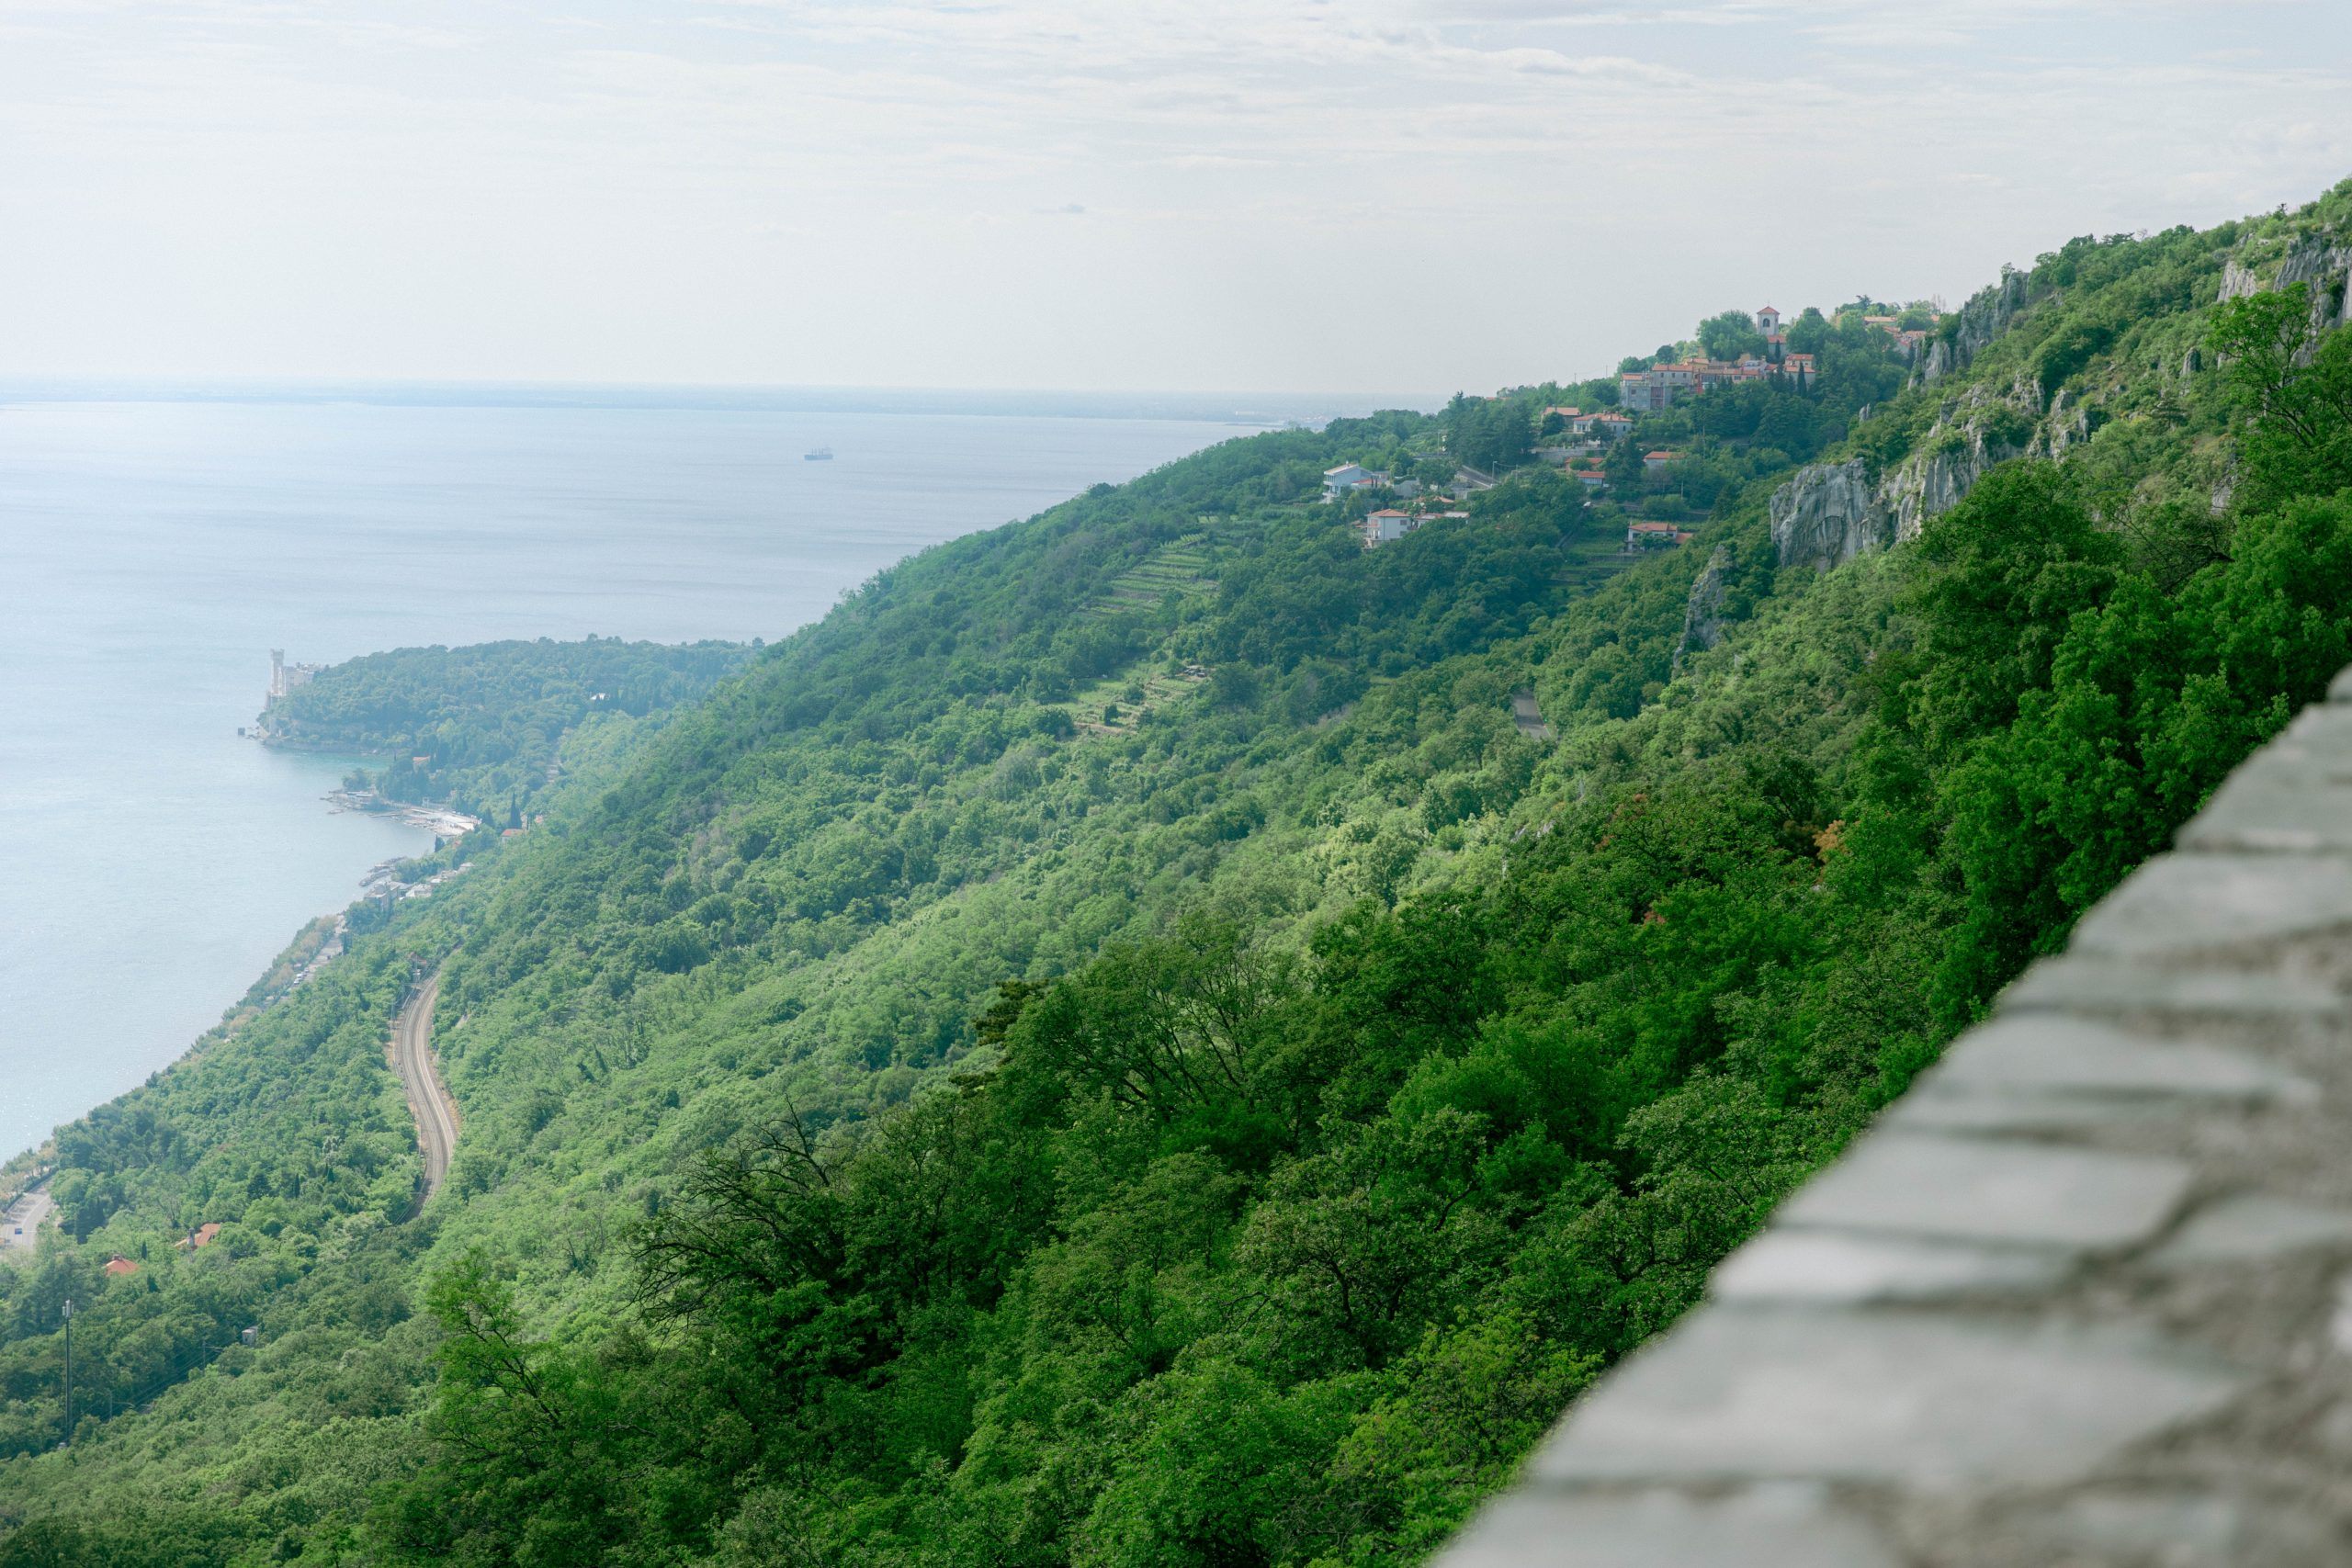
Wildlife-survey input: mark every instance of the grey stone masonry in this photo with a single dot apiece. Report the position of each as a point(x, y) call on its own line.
point(2083, 1297)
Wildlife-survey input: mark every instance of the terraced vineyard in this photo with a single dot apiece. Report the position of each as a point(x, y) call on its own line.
point(1181, 568)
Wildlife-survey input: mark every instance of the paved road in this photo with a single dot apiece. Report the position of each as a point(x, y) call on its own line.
point(27, 1213)
point(435, 1112)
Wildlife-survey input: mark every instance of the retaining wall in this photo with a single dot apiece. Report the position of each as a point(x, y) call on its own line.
point(2083, 1296)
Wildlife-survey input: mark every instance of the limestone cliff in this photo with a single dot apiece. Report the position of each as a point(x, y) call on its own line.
point(1831, 513)
point(1985, 316)
point(1704, 620)
point(1982, 431)
point(1828, 514)
point(2317, 261)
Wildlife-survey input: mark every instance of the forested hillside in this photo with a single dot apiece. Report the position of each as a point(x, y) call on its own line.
point(1125, 1045)
point(480, 727)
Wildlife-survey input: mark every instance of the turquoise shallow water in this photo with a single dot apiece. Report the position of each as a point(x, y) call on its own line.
point(152, 553)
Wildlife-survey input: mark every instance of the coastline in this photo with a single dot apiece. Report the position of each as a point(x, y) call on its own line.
point(441, 820)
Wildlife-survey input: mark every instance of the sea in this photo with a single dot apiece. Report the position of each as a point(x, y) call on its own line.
point(157, 542)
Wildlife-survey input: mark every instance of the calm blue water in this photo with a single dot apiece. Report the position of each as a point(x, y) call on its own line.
point(152, 553)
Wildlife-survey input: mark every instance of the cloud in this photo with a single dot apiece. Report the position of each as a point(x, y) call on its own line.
point(639, 191)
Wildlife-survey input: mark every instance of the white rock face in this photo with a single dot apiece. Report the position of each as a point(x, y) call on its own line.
point(1828, 514)
point(1985, 316)
point(2316, 261)
point(1703, 617)
point(1933, 483)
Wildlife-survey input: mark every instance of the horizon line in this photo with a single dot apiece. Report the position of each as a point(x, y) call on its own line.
point(1127, 402)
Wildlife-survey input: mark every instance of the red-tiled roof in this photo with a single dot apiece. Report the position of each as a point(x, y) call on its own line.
point(119, 1266)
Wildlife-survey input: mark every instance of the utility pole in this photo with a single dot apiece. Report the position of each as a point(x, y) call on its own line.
point(69, 1374)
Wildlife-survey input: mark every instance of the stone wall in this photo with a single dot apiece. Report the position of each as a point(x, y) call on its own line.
point(2083, 1297)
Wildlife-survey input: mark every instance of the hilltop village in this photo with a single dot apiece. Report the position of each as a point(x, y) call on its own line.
point(1652, 448)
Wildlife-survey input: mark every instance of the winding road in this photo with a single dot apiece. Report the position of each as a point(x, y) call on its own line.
point(411, 1058)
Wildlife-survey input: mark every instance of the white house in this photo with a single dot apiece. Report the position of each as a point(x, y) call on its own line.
point(1654, 536)
point(1339, 481)
point(1387, 525)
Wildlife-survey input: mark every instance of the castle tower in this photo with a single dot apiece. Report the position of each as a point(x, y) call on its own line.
point(277, 672)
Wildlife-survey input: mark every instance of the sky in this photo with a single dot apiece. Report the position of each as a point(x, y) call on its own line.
point(1408, 195)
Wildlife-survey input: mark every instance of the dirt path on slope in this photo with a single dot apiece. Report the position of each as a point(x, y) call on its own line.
point(428, 1101)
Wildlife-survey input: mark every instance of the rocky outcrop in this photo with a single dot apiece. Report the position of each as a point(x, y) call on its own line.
point(2316, 261)
point(1828, 514)
point(1936, 482)
point(2323, 268)
point(1702, 618)
point(1985, 316)
point(2070, 421)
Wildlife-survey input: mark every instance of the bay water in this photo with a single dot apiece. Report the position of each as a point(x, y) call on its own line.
point(154, 550)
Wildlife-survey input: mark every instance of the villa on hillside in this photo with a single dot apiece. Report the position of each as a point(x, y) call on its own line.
point(1354, 479)
point(1391, 524)
point(1654, 536)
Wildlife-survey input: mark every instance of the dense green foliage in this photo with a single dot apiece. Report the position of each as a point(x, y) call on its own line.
point(481, 726)
point(913, 1119)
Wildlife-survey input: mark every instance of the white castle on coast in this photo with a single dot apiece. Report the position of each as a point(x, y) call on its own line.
point(285, 677)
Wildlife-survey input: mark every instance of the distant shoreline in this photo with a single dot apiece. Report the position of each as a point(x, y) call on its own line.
point(1251, 409)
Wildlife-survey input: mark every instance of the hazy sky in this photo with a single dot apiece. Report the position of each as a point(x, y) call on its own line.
point(1255, 195)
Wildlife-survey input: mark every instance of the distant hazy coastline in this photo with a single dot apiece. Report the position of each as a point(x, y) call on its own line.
point(161, 541)
point(1254, 410)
